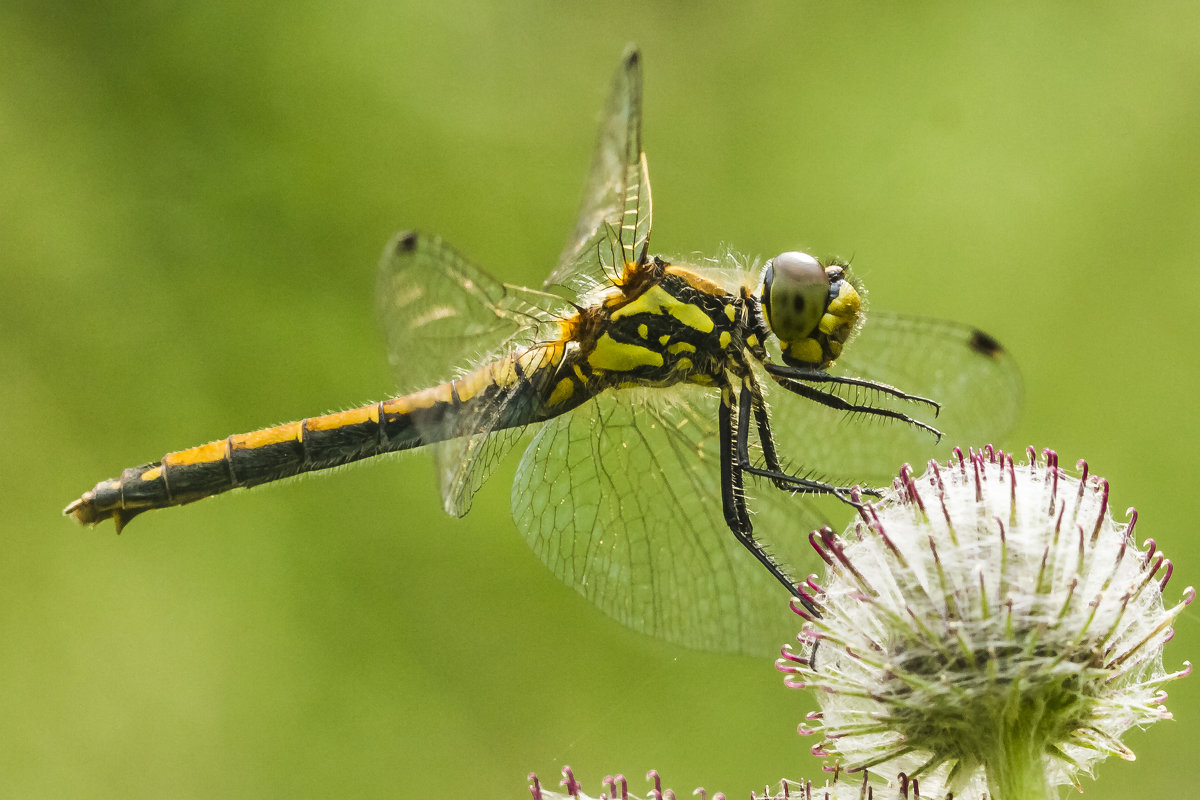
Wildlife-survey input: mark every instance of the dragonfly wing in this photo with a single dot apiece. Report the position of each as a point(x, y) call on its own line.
point(621, 499)
point(441, 314)
point(615, 216)
point(465, 463)
point(974, 379)
point(487, 430)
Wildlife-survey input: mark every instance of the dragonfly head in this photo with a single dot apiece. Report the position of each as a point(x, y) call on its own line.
point(811, 308)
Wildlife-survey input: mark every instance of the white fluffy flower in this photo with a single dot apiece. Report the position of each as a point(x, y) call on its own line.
point(836, 787)
point(987, 627)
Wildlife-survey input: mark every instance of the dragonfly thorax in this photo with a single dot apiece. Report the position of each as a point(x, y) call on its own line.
point(812, 309)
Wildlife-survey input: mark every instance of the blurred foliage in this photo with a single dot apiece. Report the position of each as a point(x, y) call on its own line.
point(194, 198)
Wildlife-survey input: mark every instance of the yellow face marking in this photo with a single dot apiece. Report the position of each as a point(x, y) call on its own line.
point(848, 303)
point(657, 300)
point(730, 311)
point(562, 392)
point(643, 331)
point(666, 337)
point(752, 340)
point(724, 339)
point(702, 378)
point(806, 350)
point(681, 347)
point(840, 317)
point(204, 454)
point(152, 474)
point(619, 357)
point(684, 364)
point(353, 417)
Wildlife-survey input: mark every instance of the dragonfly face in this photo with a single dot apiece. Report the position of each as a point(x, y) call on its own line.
point(645, 385)
point(812, 309)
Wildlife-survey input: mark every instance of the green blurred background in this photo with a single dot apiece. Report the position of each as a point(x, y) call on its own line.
point(193, 198)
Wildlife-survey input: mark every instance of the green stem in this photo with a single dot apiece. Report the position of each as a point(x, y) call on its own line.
point(1017, 768)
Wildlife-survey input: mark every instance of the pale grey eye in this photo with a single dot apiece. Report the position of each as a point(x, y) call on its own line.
point(794, 294)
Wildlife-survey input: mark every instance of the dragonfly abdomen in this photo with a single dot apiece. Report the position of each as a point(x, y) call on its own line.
point(241, 460)
point(507, 393)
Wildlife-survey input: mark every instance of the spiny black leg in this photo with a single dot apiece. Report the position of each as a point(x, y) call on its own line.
point(841, 404)
point(765, 440)
point(733, 498)
point(774, 469)
point(778, 371)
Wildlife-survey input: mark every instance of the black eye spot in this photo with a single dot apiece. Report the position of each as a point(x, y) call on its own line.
point(798, 303)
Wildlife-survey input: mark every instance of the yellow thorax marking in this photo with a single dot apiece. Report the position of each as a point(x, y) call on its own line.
point(563, 391)
point(697, 281)
point(610, 354)
point(657, 300)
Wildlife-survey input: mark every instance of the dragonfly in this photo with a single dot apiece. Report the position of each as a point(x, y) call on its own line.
point(686, 415)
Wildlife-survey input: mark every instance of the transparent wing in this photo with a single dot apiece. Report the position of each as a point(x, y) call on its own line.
point(621, 499)
point(973, 378)
point(443, 315)
point(615, 216)
point(486, 432)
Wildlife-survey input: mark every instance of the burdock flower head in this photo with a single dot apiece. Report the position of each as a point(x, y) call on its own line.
point(987, 628)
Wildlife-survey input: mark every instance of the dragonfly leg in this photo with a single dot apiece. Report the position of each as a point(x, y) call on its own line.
point(833, 401)
point(733, 496)
point(778, 371)
point(751, 398)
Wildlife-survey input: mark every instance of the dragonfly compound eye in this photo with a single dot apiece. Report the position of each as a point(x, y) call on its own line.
point(812, 309)
point(795, 292)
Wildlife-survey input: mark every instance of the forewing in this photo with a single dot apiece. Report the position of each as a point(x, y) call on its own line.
point(621, 499)
point(615, 216)
point(973, 378)
point(442, 316)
